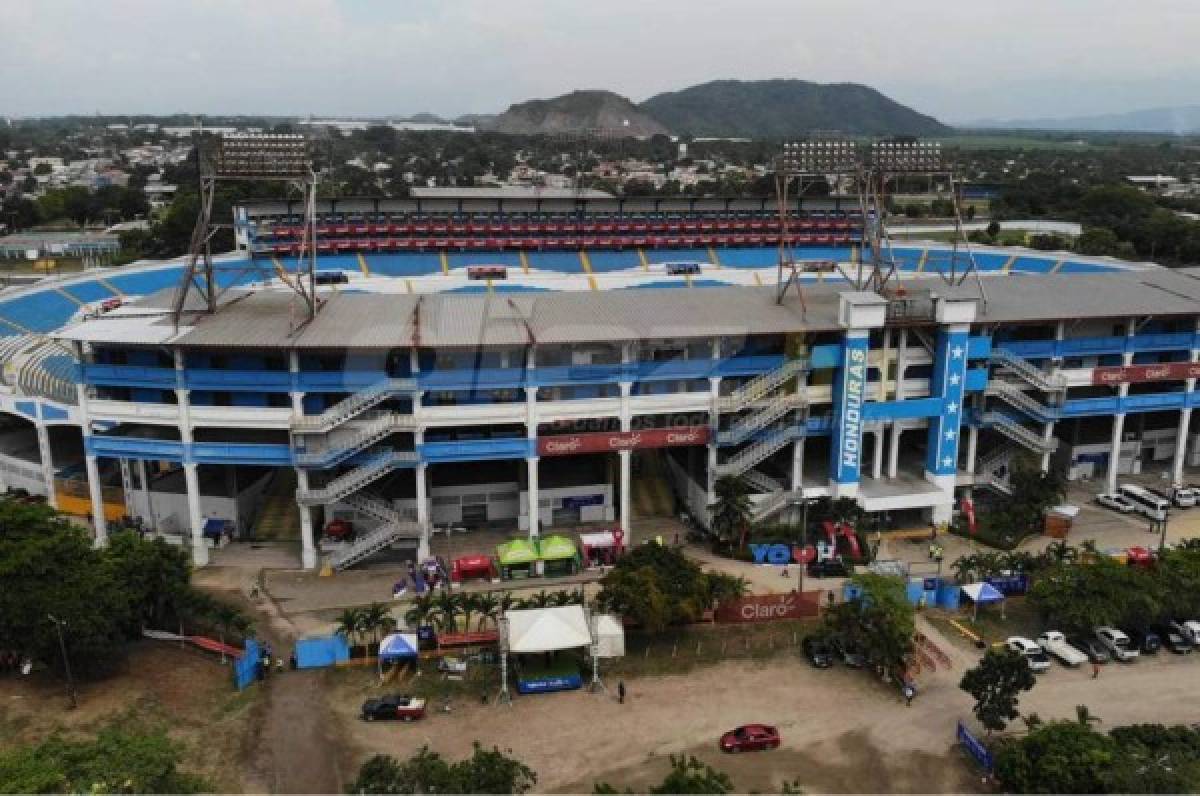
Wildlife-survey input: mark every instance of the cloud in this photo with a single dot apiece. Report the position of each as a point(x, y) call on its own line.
point(953, 59)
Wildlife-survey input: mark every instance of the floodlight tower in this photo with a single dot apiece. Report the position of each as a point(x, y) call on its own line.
point(806, 163)
point(258, 158)
point(887, 162)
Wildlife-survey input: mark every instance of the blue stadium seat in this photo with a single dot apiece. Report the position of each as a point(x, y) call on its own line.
point(464, 259)
point(566, 262)
point(404, 264)
point(606, 260)
point(43, 311)
point(89, 291)
point(141, 284)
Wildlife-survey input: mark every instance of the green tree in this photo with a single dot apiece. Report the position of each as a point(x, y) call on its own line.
point(880, 621)
point(995, 683)
point(1097, 241)
point(120, 759)
point(690, 775)
point(657, 586)
point(1098, 591)
point(485, 771)
point(1056, 757)
point(349, 624)
point(731, 510)
point(154, 577)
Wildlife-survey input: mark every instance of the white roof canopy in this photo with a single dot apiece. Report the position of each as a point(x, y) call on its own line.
point(547, 629)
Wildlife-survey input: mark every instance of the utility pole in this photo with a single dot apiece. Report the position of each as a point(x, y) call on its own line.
point(62, 645)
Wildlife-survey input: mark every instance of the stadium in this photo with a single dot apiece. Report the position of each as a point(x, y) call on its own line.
point(533, 363)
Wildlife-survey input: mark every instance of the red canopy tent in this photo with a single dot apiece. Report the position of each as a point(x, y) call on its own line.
point(476, 566)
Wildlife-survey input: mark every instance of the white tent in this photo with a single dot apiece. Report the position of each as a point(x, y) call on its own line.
point(547, 629)
point(610, 636)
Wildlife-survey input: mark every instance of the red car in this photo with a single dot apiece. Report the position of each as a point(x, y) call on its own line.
point(339, 529)
point(750, 738)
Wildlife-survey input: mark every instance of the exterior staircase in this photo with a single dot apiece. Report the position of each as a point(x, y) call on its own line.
point(776, 503)
point(1017, 398)
point(767, 443)
point(987, 467)
point(767, 412)
point(370, 429)
point(1027, 371)
point(760, 387)
point(279, 517)
point(1019, 434)
point(373, 466)
point(766, 427)
point(353, 406)
point(761, 481)
point(371, 543)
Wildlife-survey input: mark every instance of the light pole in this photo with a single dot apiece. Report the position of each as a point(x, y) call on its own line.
point(62, 645)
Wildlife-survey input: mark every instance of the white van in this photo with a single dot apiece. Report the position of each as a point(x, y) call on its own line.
point(1148, 504)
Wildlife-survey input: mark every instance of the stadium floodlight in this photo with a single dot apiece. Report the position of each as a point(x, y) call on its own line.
point(258, 157)
point(819, 157)
point(907, 157)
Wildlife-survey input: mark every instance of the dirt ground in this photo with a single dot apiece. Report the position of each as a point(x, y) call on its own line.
point(186, 690)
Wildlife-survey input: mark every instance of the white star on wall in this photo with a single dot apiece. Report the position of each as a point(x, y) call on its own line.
point(950, 436)
point(951, 408)
point(947, 461)
point(955, 379)
point(956, 352)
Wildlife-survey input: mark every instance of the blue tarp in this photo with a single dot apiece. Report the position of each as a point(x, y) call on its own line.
point(315, 653)
point(245, 667)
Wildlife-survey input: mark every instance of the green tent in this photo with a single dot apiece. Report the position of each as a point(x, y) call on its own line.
point(516, 552)
point(555, 548)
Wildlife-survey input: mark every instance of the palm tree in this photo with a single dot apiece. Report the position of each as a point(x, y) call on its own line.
point(540, 600)
point(562, 597)
point(488, 607)
point(507, 602)
point(468, 605)
point(421, 611)
point(349, 624)
point(373, 618)
point(731, 510)
point(965, 568)
point(1060, 552)
point(446, 608)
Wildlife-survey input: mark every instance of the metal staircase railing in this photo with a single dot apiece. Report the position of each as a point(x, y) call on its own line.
point(1050, 382)
point(354, 405)
point(375, 428)
point(761, 481)
point(923, 338)
point(374, 506)
point(985, 468)
point(374, 467)
point(371, 543)
point(760, 386)
point(766, 414)
point(1015, 397)
point(774, 504)
point(766, 444)
point(1019, 434)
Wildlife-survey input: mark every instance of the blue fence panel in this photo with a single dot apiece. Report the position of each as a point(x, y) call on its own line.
point(246, 667)
point(948, 596)
point(255, 380)
point(477, 450)
point(895, 410)
point(135, 448)
point(317, 653)
point(240, 453)
point(128, 376)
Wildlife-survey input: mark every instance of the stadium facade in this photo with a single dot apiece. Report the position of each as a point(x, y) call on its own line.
point(524, 363)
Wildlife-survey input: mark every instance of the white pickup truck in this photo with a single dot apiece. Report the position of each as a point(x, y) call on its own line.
point(1055, 643)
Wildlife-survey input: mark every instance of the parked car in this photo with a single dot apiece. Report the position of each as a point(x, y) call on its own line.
point(1111, 500)
point(394, 707)
point(849, 653)
point(1173, 639)
point(1183, 496)
point(1091, 647)
point(1189, 629)
point(1118, 643)
point(1032, 653)
point(830, 568)
point(750, 738)
point(1056, 644)
point(817, 652)
point(1145, 641)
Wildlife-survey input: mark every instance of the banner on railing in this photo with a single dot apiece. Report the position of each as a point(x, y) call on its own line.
point(600, 442)
point(1171, 371)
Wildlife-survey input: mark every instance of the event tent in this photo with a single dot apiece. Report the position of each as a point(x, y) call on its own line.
point(558, 549)
point(983, 594)
point(516, 554)
point(398, 645)
point(547, 629)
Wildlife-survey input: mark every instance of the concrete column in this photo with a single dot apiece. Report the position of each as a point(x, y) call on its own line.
point(798, 445)
point(195, 516)
point(531, 430)
point(46, 455)
point(972, 448)
point(1048, 426)
point(714, 385)
point(297, 396)
point(531, 466)
point(422, 493)
point(893, 468)
point(308, 548)
point(626, 459)
point(1185, 419)
point(99, 524)
point(1118, 431)
point(877, 463)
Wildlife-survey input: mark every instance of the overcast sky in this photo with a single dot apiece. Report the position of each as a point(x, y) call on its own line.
point(955, 59)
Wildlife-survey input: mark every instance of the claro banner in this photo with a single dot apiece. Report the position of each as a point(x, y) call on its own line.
point(599, 442)
point(769, 607)
point(1170, 371)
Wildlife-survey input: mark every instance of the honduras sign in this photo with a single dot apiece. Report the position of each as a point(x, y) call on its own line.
point(850, 395)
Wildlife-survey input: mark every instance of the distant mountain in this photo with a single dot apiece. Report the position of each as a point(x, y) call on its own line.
point(479, 121)
point(780, 108)
point(1181, 120)
point(578, 111)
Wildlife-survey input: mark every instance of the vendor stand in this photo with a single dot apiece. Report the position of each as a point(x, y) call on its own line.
point(558, 556)
point(476, 566)
point(602, 548)
point(518, 559)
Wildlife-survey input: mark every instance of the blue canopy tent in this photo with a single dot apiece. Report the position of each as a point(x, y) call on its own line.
point(398, 648)
point(983, 594)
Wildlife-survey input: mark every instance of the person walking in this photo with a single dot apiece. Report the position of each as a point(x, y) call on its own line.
point(908, 695)
point(1095, 670)
point(621, 692)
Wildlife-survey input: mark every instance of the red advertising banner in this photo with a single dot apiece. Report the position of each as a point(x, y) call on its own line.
point(769, 607)
point(1171, 371)
point(600, 442)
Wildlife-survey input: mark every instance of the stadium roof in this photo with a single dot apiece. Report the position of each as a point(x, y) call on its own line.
point(505, 192)
point(268, 318)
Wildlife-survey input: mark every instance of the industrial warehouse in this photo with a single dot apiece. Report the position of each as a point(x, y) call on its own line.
point(524, 364)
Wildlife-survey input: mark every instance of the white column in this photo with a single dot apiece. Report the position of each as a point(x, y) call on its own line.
point(531, 467)
point(893, 468)
point(1118, 431)
point(297, 395)
point(91, 466)
point(625, 460)
point(714, 386)
point(97, 497)
point(47, 461)
point(972, 448)
point(308, 547)
point(195, 514)
point(798, 445)
point(531, 429)
point(422, 469)
point(1185, 421)
point(877, 463)
point(1048, 426)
